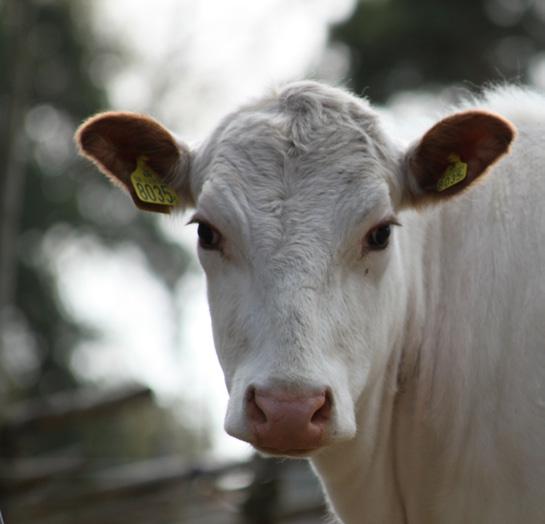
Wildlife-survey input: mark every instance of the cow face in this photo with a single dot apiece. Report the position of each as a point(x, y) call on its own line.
point(296, 227)
point(297, 200)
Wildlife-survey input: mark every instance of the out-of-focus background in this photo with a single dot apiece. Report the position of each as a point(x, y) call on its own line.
point(111, 399)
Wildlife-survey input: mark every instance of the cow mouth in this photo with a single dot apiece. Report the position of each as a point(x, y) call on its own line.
point(292, 453)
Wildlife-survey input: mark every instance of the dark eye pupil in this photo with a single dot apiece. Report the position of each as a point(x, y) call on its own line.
point(379, 237)
point(206, 235)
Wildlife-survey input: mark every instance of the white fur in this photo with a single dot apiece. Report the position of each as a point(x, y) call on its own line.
point(434, 349)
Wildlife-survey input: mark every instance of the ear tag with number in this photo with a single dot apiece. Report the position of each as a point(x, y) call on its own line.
point(150, 189)
point(455, 172)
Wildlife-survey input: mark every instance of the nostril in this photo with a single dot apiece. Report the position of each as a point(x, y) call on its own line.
point(323, 413)
point(255, 413)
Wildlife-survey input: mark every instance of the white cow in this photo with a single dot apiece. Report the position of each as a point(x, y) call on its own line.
point(366, 314)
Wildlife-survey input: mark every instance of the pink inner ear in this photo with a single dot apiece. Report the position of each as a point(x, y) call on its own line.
point(478, 137)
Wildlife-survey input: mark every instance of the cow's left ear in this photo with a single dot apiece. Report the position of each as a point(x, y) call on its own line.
point(453, 154)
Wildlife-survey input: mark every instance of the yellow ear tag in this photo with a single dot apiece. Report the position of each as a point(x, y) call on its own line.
point(149, 187)
point(454, 173)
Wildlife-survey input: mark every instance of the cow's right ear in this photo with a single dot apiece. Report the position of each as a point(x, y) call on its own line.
point(141, 156)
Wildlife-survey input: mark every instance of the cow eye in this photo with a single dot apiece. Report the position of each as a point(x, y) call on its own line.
point(379, 237)
point(209, 238)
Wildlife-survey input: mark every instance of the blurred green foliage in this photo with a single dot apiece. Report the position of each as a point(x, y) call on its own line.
point(51, 42)
point(48, 85)
point(398, 45)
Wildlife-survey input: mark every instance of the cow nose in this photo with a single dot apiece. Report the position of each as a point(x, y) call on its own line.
point(283, 422)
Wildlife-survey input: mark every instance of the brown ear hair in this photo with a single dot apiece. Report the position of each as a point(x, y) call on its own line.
point(471, 140)
point(114, 141)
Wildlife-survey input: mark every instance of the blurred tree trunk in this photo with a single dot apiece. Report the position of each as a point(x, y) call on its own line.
point(17, 68)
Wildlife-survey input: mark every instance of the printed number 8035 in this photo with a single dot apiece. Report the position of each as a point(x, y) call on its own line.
point(155, 193)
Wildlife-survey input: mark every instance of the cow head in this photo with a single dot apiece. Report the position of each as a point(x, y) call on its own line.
point(298, 200)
